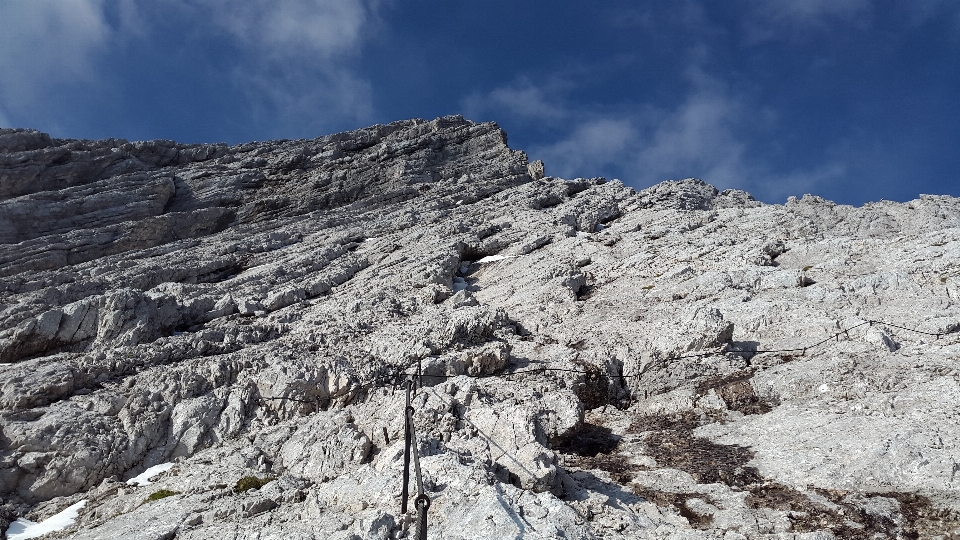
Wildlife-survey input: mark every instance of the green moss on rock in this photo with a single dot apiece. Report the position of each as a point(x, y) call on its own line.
point(250, 482)
point(160, 494)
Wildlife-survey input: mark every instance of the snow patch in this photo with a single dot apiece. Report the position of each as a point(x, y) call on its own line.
point(22, 529)
point(493, 258)
point(143, 479)
point(459, 284)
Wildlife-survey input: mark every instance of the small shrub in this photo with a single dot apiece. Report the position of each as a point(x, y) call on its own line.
point(160, 494)
point(250, 482)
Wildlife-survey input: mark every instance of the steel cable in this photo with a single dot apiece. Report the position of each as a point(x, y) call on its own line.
point(401, 370)
point(407, 440)
point(412, 448)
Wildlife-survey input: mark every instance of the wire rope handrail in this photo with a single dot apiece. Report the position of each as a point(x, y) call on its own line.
point(396, 378)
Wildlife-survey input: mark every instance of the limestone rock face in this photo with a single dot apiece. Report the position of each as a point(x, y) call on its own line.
point(678, 362)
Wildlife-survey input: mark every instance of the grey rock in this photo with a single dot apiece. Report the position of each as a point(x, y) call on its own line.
point(321, 449)
point(677, 362)
point(882, 338)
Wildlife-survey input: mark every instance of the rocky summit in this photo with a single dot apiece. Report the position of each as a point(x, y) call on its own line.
point(203, 341)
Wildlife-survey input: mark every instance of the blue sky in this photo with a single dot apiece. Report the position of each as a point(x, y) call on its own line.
point(853, 100)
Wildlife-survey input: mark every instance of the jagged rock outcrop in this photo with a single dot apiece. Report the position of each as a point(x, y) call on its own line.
point(598, 362)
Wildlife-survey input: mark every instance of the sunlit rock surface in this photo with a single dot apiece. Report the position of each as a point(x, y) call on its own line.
point(243, 311)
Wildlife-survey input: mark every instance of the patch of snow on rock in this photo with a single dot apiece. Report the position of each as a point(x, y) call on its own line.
point(143, 479)
point(494, 258)
point(22, 529)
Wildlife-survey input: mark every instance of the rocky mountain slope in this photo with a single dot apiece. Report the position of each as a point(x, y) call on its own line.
point(671, 363)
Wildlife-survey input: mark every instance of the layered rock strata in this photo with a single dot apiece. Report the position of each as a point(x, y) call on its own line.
point(593, 356)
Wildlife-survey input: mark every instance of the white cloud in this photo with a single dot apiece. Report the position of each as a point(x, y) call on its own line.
point(777, 188)
point(593, 144)
point(293, 27)
point(707, 135)
point(47, 42)
point(298, 78)
point(287, 103)
point(520, 99)
point(294, 64)
point(5, 120)
point(802, 19)
point(295, 67)
point(697, 139)
point(921, 11)
point(810, 9)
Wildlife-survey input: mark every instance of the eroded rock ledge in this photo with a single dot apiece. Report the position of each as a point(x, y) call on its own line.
point(220, 307)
